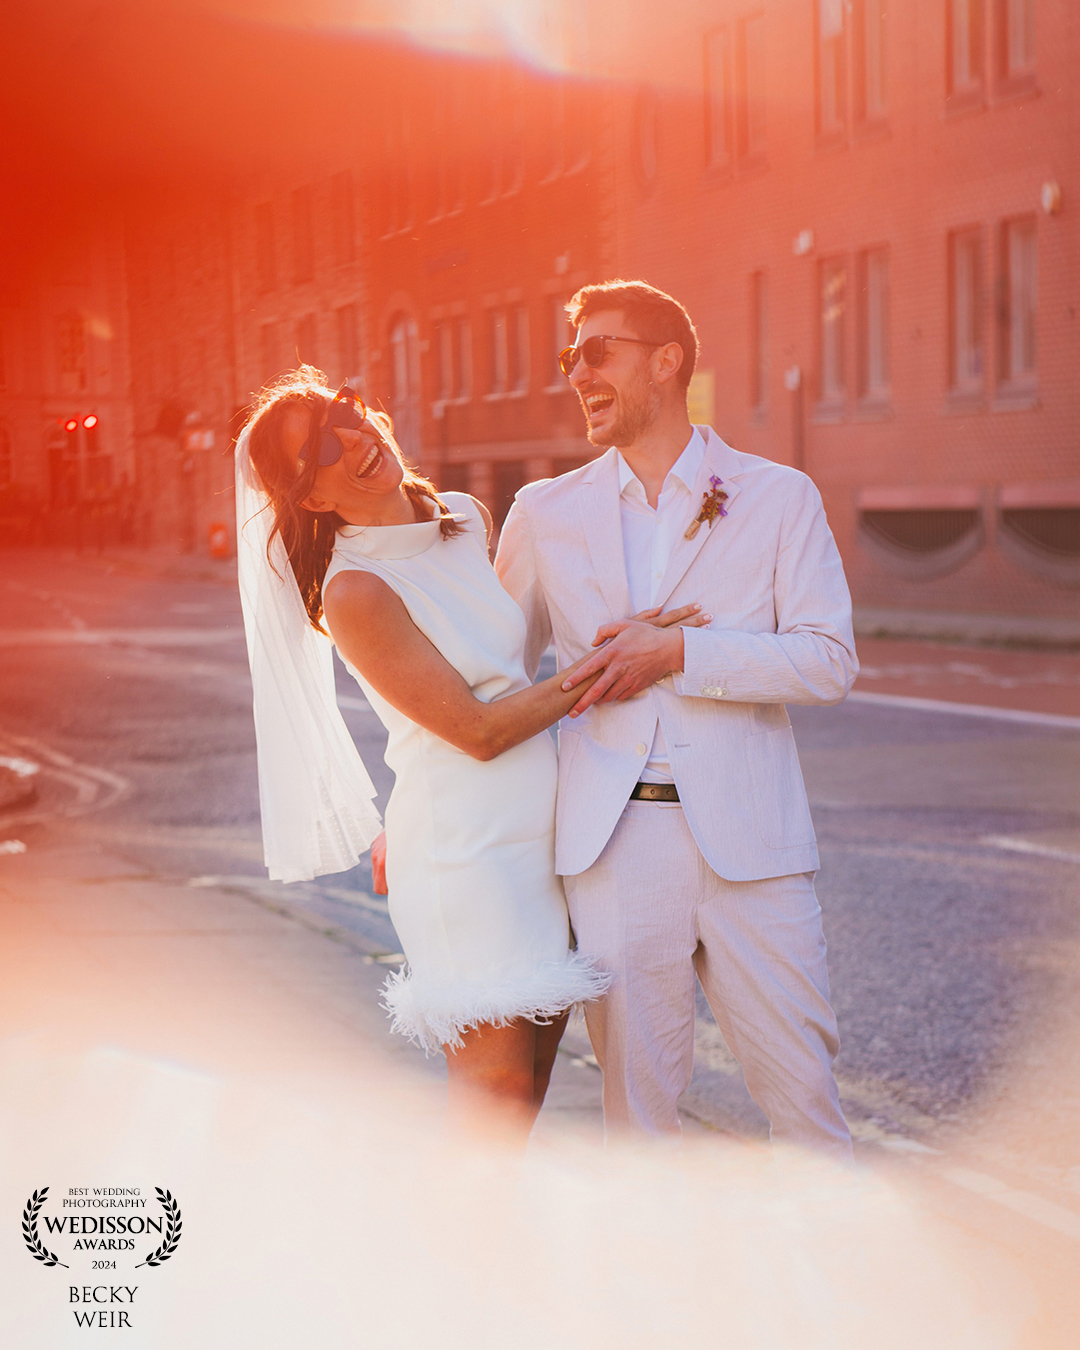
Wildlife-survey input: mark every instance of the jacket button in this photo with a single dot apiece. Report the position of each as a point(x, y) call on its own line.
point(642, 748)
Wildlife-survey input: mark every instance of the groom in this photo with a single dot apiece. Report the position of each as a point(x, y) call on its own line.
point(683, 832)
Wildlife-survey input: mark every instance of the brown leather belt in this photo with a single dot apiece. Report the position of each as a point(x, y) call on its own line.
point(655, 792)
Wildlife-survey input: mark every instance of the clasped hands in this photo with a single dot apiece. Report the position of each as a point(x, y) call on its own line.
point(634, 653)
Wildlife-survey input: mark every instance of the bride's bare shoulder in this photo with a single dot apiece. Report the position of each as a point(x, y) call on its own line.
point(355, 588)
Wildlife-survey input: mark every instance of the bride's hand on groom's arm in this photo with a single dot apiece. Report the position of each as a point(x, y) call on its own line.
point(636, 653)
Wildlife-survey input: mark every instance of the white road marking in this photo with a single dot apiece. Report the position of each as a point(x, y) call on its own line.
point(1027, 1203)
point(298, 891)
point(94, 788)
point(1014, 845)
point(22, 768)
point(1037, 719)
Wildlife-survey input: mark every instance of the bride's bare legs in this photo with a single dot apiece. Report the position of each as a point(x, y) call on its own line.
point(498, 1078)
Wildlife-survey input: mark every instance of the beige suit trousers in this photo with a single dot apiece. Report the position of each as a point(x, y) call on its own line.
point(653, 913)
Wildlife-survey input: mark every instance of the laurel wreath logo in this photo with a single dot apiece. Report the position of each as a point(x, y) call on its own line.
point(38, 1250)
point(172, 1230)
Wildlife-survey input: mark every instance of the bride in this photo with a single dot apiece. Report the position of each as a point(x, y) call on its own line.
point(336, 533)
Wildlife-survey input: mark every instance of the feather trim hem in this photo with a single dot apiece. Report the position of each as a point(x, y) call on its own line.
point(435, 1014)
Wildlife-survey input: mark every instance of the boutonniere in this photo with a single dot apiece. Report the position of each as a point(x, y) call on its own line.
point(712, 505)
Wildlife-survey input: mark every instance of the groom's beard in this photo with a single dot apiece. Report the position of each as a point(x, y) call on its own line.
point(637, 411)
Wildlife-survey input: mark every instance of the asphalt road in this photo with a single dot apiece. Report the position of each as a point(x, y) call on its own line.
point(950, 848)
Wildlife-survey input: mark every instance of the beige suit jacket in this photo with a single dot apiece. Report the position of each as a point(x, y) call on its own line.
point(771, 576)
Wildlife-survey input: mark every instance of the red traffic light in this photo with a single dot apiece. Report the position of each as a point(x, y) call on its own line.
point(90, 421)
point(71, 424)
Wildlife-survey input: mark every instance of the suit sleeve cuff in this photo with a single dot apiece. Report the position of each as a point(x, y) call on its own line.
point(701, 675)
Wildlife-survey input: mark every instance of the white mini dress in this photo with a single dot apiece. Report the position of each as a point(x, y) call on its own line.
point(470, 858)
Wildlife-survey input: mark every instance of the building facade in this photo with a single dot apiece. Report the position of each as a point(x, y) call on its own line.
point(66, 465)
point(871, 209)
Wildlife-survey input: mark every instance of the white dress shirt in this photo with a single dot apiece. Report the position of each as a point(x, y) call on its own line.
point(649, 535)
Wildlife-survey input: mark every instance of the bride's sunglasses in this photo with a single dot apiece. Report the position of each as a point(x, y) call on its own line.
point(347, 409)
point(593, 351)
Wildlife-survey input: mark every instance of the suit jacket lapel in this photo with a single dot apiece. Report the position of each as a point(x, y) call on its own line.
point(720, 460)
point(602, 524)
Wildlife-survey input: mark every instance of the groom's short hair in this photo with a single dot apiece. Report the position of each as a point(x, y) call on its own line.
point(653, 315)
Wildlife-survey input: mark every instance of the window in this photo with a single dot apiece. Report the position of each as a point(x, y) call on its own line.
point(751, 86)
point(965, 312)
point(454, 478)
point(509, 475)
point(1017, 288)
point(452, 348)
point(1015, 40)
point(647, 136)
point(832, 288)
point(519, 349)
point(868, 56)
point(759, 343)
point(504, 125)
point(264, 246)
point(398, 148)
point(500, 353)
point(347, 342)
point(463, 334)
point(560, 334)
point(717, 99)
point(831, 57)
point(303, 236)
point(509, 330)
point(444, 360)
point(873, 324)
point(307, 340)
point(448, 132)
point(344, 219)
point(268, 351)
point(965, 48)
point(404, 385)
point(71, 352)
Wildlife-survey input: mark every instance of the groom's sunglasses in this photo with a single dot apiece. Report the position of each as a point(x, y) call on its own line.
point(593, 351)
point(347, 409)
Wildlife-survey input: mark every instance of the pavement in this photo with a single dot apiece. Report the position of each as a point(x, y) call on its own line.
point(170, 1016)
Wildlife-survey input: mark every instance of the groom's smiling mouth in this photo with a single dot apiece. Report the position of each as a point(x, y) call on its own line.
point(597, 403)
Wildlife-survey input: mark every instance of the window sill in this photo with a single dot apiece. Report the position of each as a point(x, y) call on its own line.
point(872, 129)
point(557, 388)
point(829, 413)
point(1011, 89)
point(1015, 398)
point(878, 409)
point(505, 395)
point(834, 139)
point(713, 175)
point(968, 101)
point(439, 407)
point(962, 403)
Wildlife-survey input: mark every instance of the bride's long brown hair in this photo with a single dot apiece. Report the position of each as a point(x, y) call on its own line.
point(309, 536)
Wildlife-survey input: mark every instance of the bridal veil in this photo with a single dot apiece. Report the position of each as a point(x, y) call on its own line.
point(315, 795)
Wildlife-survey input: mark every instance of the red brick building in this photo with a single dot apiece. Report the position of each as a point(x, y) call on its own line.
point(494, 205)
point(871, 209)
